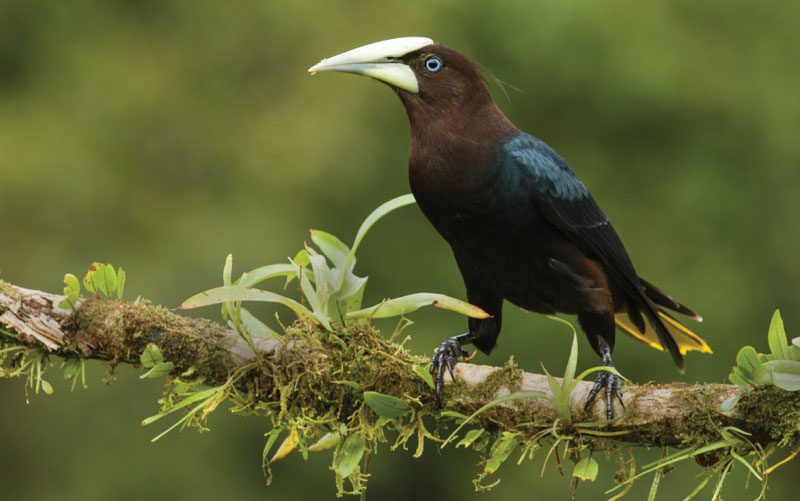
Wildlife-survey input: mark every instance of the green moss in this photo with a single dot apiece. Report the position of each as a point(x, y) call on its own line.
point(322, 373)
point(119, 332)
point(768, 404)
point(702, 422)
point(508, 377)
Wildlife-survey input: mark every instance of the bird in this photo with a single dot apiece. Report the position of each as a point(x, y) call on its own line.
point(522, 226)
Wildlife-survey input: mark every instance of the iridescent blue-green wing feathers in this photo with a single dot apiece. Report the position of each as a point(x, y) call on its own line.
point(564, 200)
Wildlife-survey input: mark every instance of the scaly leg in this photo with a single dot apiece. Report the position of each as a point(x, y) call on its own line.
point(611, 383)
point(601, 330)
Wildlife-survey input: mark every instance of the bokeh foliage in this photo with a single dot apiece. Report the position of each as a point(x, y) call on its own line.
point(163, 136)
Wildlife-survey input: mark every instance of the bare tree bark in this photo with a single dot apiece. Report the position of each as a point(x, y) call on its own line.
point(676, 415)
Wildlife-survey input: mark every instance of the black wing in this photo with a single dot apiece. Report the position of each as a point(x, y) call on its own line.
point(567, 204)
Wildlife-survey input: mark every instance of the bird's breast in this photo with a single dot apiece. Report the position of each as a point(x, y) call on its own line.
point(500, 236)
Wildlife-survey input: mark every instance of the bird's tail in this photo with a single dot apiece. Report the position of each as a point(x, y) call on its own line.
point(685, 339)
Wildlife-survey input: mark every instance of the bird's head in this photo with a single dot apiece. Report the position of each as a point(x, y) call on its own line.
point(431, 79)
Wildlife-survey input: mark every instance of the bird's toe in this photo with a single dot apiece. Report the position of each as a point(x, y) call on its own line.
point(612, 385)
point(445, 357)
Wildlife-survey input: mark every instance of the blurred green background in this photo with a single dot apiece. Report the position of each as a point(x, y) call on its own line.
point(163, 135)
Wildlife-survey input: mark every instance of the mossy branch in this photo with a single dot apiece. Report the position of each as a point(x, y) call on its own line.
point(677, 415)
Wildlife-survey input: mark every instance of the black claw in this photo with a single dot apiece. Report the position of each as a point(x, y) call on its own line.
point(613, 388)
point(445, 357)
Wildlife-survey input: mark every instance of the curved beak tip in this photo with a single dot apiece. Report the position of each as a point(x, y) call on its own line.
point(313, 70)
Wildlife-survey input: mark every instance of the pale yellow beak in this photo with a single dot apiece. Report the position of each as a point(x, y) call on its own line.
point(379, 60)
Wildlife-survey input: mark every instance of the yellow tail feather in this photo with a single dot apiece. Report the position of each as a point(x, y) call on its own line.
point(684, 338)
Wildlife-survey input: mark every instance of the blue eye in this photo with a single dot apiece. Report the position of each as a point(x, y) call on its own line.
point(433, 64)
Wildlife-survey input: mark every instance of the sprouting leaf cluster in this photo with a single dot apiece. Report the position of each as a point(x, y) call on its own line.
point(101, 280)
point(780, 367)
point(152, 359)
point(331, 293)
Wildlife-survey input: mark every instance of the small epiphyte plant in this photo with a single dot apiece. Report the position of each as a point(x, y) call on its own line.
point(332, 293)
point(780, 367)
point(100, 279)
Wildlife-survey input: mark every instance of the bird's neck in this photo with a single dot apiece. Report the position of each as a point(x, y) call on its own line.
point(474, 121)
point(454, 142)
point(452, 156)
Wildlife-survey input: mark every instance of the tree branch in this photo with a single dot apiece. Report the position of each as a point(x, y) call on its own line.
point(676, 415)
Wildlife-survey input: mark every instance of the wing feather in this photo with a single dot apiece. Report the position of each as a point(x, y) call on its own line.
point(564, 200)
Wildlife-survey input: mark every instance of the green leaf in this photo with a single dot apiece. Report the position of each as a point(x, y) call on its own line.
point(425, 374)
point(586, 469)
point(572, 361)
point(386, 405)
point(301, 259)
point(350, 455)
point(256, 327)
point(377, 214)
point(73, 286)
point(110, 277)
point(730, 402)
point(747, 360)
point(46, 387)
point(454, 415)
point(72, 291)
point(572, 364)
point(225, 294)
point(88, 283)
point(151, 356)
point(333, 248)
point(352, 301)
point(470, 437)
point(272, 436)
point(502, 448)
point(373, 218)
point(101, 279)
point(778, 344)
point(352, 285)
point(794, 353)
point(413, 302)
point(317, 298)
point(262, 273)
point(327, 441)
point(227, 270)
point(599, 368)
point(322, 277)
point(88, 279)
point(158, 370)
point(784, 374)
point(560, 398)
point(194, 397)
point(736, 377)
point(120, 283)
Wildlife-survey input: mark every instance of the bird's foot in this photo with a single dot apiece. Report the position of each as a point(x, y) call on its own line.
point(613, 386)
point(445, 357)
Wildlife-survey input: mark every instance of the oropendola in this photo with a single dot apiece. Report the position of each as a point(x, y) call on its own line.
point(522, 226)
